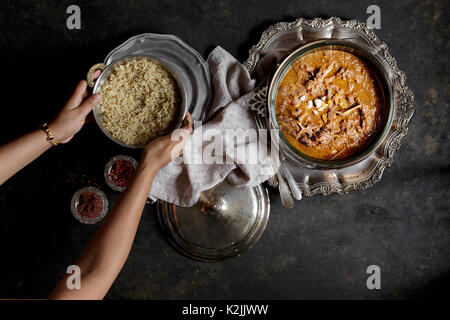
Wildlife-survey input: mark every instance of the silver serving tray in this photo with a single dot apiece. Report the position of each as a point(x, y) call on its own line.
point(284, 37)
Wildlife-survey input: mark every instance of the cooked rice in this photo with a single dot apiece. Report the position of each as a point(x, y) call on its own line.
point(139, 101)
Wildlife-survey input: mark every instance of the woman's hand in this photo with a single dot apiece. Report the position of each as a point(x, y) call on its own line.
point(108, 250)
point(161, 151)
point(72, 116)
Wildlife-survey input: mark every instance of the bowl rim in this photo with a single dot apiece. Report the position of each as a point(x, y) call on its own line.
point(104, 76)
point(314, 163)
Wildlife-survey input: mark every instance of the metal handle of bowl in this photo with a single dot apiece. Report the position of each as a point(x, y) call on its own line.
point(95, 67)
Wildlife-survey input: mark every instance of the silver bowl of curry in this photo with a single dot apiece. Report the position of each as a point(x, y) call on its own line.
point(331, 102)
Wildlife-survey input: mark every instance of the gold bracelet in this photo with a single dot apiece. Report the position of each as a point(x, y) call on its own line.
point(50, 138)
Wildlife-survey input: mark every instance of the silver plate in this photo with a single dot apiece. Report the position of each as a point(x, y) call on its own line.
point(284, 37)
point(185, 62)
point(225, 222)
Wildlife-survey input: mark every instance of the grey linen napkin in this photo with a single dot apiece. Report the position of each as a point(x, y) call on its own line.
point(181, 184)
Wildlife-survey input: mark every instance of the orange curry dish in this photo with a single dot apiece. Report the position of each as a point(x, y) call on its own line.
point(329, 104)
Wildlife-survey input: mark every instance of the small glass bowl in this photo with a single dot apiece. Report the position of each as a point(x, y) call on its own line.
point(108, 168)
point(75, 202)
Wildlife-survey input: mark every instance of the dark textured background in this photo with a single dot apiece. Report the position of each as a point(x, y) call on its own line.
point(320, 249)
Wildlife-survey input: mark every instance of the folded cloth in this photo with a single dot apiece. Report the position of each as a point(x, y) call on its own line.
point(181, 184)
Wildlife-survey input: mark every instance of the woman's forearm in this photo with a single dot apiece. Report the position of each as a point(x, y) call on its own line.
point(109, 248)
point(18, 153)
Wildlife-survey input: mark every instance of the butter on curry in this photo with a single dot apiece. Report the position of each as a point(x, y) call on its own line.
point(329, 104)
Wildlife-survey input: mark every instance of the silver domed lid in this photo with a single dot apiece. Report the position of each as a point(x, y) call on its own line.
point(225, 222)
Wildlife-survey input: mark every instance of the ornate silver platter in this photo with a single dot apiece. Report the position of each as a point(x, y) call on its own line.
point(284, 37)
point(187, 63)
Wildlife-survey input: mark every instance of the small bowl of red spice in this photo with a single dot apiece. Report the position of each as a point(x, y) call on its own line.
point(119, 171)
point(89, 205)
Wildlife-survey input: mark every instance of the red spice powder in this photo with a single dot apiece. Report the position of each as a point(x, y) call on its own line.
point(122, 171)
point(89, 205)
